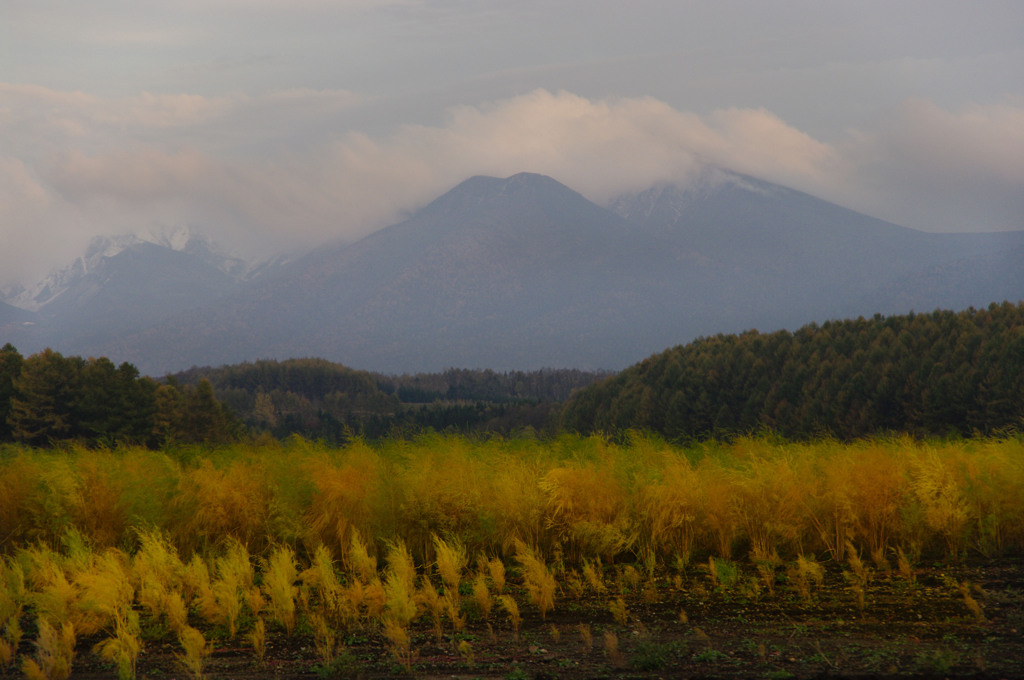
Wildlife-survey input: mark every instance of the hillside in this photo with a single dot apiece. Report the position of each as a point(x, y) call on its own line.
point(931, 374)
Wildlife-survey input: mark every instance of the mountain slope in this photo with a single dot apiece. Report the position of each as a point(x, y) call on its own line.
point(789, 258)
point(523, 273)
point(121, 285)
point(487, 274)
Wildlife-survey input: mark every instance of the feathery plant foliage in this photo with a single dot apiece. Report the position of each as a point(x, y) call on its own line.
point(221, 536)
point(55, 652)
point(279, 576)
point(537, 578)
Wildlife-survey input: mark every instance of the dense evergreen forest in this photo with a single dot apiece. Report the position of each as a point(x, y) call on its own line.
point(48, 398)
point(322, 400)
point(943, 373)
point(937, 374)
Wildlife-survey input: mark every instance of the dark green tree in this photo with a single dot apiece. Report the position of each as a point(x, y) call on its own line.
point(41, 409)
point(11, 362)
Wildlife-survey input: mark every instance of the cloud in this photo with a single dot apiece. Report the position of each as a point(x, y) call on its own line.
point(284, 169)
point(935, 169)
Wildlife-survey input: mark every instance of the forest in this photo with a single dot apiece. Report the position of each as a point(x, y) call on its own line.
point(48, 398)
point(938, 374)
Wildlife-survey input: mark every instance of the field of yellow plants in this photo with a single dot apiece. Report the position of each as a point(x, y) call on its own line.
point(496, 557)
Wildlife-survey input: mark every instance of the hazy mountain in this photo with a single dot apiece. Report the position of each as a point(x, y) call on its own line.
point(775, 257)
point(490, 274)
point(10, 314)
point(124, 284)
point(523, 272)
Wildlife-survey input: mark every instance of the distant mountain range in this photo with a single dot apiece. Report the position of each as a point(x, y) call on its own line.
point(516, 273)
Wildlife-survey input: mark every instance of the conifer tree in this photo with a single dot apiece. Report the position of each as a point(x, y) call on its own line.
point(10, 368)
point(41, 409)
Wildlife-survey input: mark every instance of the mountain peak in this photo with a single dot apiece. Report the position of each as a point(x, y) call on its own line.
point(103, 250)
point(524, 190)
point(668, 201)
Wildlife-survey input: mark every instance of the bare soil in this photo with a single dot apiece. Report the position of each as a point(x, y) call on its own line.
point(922, 627)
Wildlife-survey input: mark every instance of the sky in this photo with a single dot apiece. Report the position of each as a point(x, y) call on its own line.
point(278, 125)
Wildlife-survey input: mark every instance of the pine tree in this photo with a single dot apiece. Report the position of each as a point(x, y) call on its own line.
point(41, 409)
point(11, 362)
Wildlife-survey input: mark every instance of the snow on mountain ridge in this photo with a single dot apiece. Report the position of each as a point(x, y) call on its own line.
point(181, 239)
point(676, 196)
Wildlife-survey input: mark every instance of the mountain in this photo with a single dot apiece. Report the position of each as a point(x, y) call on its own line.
point(11, 315)
point(524, 273)
point(780, 258)
point(489, 274)
point(121, 285)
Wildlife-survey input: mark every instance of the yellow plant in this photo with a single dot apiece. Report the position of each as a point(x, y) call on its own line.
point(718, 514)
point(769, 496)
point(340, 502)
point(593, 577)
point(12, 599)
point(158, 575)
point(360, 562)
point(279, 577)
point(104, 592)
point(971, 603)
point(401, 646)
point(433, 603)
point(321, 580)
point(466, 652)
point(451, 561)
point(55, 652)
point(97, 506)
point(806, 574)
point(325, 639)
point(233, 583)
point(877, 486)
point(539, 581)
point(51, 594)
point(512, 609)
point(400, 581)
point(452, 606)
point(586, 636)
point(234, 501)
point(123, 649)
point(496, 569)
point(258, 638)
point(195, 651)
point(945, 508)
point(670, 506)
point(585, 506)
point(482, 596)
point(611, 649)
point(904, 567)
point(618, 609)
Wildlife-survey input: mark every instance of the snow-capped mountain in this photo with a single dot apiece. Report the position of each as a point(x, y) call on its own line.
point(96, 261)
point(121, 284)
point(518, 273)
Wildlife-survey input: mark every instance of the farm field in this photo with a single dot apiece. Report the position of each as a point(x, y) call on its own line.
point(575, 557)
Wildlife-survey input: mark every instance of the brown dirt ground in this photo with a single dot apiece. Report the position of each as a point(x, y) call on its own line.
point(921, 629)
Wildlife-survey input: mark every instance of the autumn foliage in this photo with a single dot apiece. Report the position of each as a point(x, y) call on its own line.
point(375, 538)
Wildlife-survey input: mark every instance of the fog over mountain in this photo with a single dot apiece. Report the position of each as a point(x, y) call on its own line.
point(517, 273)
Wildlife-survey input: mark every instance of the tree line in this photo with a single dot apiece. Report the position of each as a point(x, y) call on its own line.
point(319, 399)
point(938, 374)
point(943, 373)
point(48, 398)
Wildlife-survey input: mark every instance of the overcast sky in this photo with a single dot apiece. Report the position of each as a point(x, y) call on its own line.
point(273, 124)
